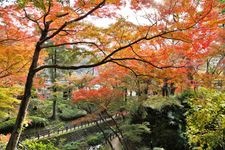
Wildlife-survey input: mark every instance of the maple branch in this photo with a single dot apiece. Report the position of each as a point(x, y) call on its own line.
point(5, 75)
point(74, 43)
point(47, 13)
point(218, 64)
point(135, 42)
point(124, 66)
point(145, 61)
point(108, 58)
point(178, 39)
point(12, 65)
point(33, 20)
point(69, 67)
point(71, 43)
point(72, 21)
point(7, 40)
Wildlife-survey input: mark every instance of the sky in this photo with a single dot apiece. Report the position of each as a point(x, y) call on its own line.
point(136, 17)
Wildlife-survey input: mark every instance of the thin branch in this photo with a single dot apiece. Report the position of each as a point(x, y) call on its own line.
point(72, 21)
point(33, 20)
point(147, 62)
point(125, 67)
point(47, 13)
point(72, 43)
point(178, 39)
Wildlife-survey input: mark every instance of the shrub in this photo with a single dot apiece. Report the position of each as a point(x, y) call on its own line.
point(186, 95)
point(37, 122)
point(95, 139)
point(72, 113)
point(40, 108)
point(76, 146)
point(33, 145)
point(134, 132)
point(206, 120)
point(7, 126)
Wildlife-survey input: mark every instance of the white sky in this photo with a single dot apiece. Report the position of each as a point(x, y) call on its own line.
point(136, 17)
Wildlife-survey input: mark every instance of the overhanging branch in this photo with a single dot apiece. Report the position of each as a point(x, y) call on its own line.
point(72, 21)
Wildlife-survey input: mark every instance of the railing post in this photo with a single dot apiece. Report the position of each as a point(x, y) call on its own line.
point(48, 133)
point(38, 135)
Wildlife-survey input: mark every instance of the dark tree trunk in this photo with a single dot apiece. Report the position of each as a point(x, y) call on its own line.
point(54, 110)
point(102, 118)
point(104, 134)
point(118, 129)
point(125, 94)
point(14, 138)
point(54, 75)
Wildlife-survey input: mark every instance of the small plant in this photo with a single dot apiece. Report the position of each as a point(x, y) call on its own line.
point(68, 113)
point(37, 122)
point(206, 120)
point(7, 126)
point(76, 146)
point(33, 145)
point(95, 139)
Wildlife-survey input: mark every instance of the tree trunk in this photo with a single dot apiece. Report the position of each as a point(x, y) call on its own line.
point(54, 61)
point(14, 138)
point(125, 94)
point(118, 129)
point(105, 137)
point(120, 140)
point(53, 110)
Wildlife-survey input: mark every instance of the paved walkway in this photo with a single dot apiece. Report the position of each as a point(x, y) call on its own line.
point(116, 143)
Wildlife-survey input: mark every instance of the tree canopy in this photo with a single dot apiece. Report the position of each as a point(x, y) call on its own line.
point(175, 35)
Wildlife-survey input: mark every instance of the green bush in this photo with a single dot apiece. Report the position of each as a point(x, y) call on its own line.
point(70, 113)
point(95, 139)
point(37, 122)
point(134, 132)
point(76, 146)
point(206, 120)
point(7, 126)
point(33, 145)
point(40, 108)
point(186, 95)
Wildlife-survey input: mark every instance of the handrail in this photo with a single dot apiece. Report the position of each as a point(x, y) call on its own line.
point(51, 132)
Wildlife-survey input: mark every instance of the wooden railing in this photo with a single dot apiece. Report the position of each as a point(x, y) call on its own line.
point(48, 133)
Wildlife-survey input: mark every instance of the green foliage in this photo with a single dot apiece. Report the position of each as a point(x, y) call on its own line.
point(41, 4)
point(33, 121)
point(76, 146)
point(7, 126)
point(186, 95)
point(8, 102)
point(40, 108)
point(134, 132)
point(93, 140)
point(165, 120)
point(33, 145)
point(206, 119)
point(158, 102)
point(37, 122)
point(68, 113)
point(2, 145)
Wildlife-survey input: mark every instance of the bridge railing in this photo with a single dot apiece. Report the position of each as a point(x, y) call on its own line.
point(68, 128)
